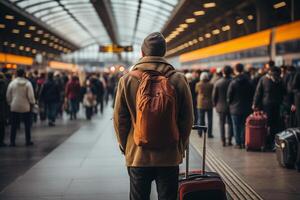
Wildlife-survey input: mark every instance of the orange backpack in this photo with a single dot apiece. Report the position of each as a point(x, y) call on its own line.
point(155, 125)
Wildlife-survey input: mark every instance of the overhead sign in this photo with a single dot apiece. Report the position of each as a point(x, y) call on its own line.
point(115, 48)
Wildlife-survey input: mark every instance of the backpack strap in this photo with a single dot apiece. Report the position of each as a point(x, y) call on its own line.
point(137, 74)
point(170, 73)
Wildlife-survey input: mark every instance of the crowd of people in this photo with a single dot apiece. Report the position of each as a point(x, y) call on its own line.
point(236, 92)
point(29, 96)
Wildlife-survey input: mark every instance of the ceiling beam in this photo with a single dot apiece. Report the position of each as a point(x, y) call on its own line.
point(104, 11)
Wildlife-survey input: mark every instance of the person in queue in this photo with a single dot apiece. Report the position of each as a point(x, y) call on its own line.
point(72, 96)
point(204, 91)
point(219, 97)
point(50, 96)
point(268, 97)
point(147, 164)
point(296, 97)
point(239, 98)
point(20, 97)
point(3, 105)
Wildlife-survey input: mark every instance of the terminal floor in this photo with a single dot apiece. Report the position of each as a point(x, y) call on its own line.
point(88, 166)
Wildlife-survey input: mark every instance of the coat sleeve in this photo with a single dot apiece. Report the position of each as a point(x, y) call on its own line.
point(9, 94)
point(230, 92)
point(257, 100)
point(30, 94)
point(215, 95)
point(122, 118)
point(186, 116)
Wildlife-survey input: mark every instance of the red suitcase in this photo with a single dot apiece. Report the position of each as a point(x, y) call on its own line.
point(256, 131)
point(198, 185)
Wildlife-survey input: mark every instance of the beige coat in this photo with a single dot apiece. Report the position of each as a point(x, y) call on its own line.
point(204, 95)
point(125, 116)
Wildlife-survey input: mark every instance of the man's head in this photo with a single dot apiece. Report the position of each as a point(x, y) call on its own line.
point(50, 75)
point(227, 70)
point(20, 72)
point(238, 68)
point(154, 45)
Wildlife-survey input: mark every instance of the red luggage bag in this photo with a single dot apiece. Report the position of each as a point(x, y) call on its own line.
point(201, 185)
point(256, 131)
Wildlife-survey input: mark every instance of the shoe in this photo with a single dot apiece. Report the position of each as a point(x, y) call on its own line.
point(229, 143)
point(51, 124)
point(210, 136)
point(224, 144)
point(200, 134)
point(29, 143)
point(12, 145)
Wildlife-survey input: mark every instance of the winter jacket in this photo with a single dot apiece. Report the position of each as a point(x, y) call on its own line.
point(72, 90)
point(125, 116)
point(50, 92)
point(219, 95)
point(269, 92)
point(20, 95)
point(239, 95)
point(3, 104)
point(204, 95)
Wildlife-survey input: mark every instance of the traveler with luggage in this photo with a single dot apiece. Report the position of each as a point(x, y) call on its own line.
point(153, 116)
point(20, 97)
point(220, 102)
point(269, 97)
point(239, 98)
point(204, 91)
point(72, 96)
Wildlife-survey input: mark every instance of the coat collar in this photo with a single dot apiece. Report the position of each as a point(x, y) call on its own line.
point(154, 63)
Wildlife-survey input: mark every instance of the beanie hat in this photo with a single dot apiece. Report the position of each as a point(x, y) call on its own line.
point(154, 45)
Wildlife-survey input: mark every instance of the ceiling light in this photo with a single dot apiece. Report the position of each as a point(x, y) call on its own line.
point(216, 31)
point(5, 43)
point(55, 46)
point(183, 25)
point(46, 35)
point(13, 45)
point(32, 28)
point(191, 43)
point(279, 5)
point(60, 48)
point(190, 20)
point(199, 13)
point(16, 31)
point(226, 28)
point(9, 17)
point(44, 42)
point(52, 37)
point(21, 48)
point(195, 41)
point(21, 23)
point(51, 44)
point(27, 49)
point(56, 40)
point(27, 35)
point(240, 21)
point(36, 39)
point(209, 5)
point(200, 39)
point(207, 35)
point(40, 32)
point(2, 25)
point(33, 51)
point(250, 17)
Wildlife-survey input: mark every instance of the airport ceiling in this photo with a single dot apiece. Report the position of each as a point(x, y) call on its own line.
point(69, 25)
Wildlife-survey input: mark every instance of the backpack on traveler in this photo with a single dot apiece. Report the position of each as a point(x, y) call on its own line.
point(155, 125)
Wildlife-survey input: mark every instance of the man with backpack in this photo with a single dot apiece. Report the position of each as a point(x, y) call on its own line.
point(153, 117)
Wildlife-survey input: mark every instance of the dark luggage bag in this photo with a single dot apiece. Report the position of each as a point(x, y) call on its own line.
point(256, 131)
point(287, 147)
point(200, 184)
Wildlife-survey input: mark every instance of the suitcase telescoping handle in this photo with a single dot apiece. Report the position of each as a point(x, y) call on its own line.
point(187, 153)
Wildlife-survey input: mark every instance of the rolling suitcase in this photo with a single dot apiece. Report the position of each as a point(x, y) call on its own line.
point(287, 144)
point(198, 185)
point(256, 131)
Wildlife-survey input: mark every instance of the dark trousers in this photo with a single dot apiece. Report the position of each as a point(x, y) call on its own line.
point(273, 113)
point(223, 119)
point(15, 121)
point(2, 131)
point(166, 179)
point(88, 112)
point(238, 123)
point(201, 119)
point(73, 107)
point(51, 110)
